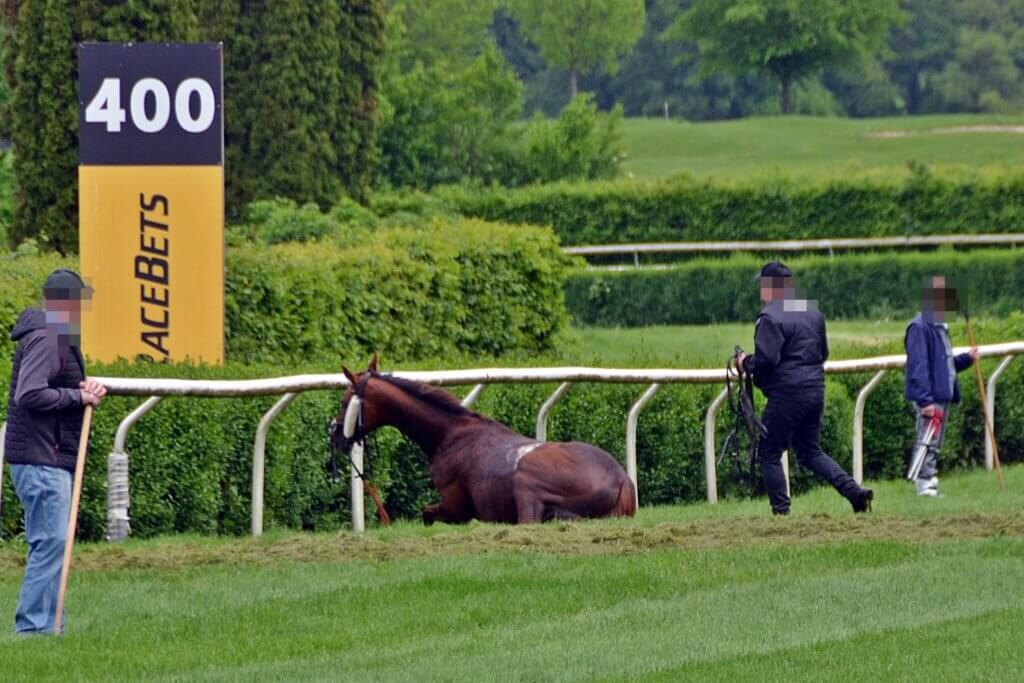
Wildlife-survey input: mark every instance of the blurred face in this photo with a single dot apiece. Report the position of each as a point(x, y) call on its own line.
point(938, 298)
point(774, 288)
point(63, 311)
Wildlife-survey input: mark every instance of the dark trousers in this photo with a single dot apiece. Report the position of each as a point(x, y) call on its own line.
point(796, 419)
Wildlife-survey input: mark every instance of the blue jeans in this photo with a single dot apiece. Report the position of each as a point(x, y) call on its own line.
point(45, 493)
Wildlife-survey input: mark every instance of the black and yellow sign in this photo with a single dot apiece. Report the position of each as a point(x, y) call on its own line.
point(151, 200)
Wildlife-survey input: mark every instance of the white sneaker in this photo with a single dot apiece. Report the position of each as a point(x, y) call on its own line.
point(928, 487)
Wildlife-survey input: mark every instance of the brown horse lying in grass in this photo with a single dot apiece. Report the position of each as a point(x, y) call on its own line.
point(482, 469)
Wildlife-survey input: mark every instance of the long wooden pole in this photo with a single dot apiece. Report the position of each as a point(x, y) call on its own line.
point(984, 407)
point(76, 497)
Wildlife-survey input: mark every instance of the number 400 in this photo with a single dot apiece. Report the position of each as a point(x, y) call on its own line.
point(105, 106)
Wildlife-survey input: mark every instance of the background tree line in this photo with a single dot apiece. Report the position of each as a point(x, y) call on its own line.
point(334, 98)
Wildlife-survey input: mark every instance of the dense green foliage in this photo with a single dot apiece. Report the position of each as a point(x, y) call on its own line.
point(442, 288)
point(943, 56)
point(785, 41)
point(300, 89)
point(451, 104)
point(849, 286)
point(581, 35)
point(693, 210)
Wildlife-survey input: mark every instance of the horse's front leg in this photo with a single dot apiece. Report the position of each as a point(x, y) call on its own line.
point(455, 508)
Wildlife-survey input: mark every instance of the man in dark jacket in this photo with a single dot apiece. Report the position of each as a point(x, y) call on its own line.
point(44, 422)
point(788, 366)
point(931, 372)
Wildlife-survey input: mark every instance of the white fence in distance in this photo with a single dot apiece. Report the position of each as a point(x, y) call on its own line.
point(289, 387)
point(830, 245)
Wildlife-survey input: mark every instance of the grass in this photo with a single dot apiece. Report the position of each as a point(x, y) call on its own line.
point(803, 146)
point(919, 590)
point(710, 345)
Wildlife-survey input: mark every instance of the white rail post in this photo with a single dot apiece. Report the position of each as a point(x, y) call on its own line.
point(358, 504)
point(631, 421)
point(785, 469)
point(989, 459)
point(473, 395)
point(3, 434)
point(118, 498)
point(710, 452)
point(858, 426)
point(542, 416)
point(259, 462)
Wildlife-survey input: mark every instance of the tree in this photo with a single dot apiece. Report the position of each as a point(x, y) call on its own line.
point(454, 32)
point(787, 40)
point(921, 46)
point(581, 35)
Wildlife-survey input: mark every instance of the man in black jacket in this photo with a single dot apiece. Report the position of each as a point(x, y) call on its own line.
point(788, 366)
point(44, 422)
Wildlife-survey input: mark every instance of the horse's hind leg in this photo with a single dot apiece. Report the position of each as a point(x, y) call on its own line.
point(553, 512)
point(529, 506)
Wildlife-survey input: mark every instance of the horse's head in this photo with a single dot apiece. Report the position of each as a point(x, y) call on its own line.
point(350, 426)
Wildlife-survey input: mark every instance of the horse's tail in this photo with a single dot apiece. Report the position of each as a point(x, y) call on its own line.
point(625, 506)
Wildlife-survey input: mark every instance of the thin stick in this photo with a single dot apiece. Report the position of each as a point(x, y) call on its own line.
point(984, 406)
point(69, 542)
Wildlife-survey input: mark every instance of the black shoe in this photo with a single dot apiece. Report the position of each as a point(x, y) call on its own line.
point(861, 502)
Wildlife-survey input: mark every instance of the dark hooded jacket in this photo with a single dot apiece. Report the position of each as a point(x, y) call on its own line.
point(790, 349)
point(44, 408)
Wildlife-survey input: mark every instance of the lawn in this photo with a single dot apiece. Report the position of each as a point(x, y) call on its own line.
point(803, 146)
point(918, 590)
point(711, 345)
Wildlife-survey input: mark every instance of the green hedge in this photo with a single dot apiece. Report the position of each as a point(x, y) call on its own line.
point(851, 286)
point(191, 458)
point(693, 210)
point(408, 292)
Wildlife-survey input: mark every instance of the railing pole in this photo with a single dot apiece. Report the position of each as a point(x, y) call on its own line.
point(473, 395)
point(785, 468)
point(710, 451)
point(118, 493)
point(989, 459)
point(358, 504)
point(259, 449)
point(542, 416)
point(858, 426)
point(631, 422)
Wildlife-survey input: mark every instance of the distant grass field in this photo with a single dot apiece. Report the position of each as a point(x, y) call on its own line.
point(918, 590)
point(710, 345)
point(802, 146)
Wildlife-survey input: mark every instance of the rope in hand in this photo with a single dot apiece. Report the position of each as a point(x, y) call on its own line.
point(739, 388)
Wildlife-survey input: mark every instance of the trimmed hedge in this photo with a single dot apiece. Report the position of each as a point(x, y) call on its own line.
point(191, 458)
point(866, 285)
point(687, 209)
point(463, 286)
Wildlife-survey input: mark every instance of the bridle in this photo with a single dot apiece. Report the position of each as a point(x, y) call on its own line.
point(739, 388)
point(353, 431)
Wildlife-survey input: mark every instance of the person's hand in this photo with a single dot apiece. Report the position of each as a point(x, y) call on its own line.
point(93, 387)
point(974, 353)
point(928, 410)
point(89, 398)
point(739, 361)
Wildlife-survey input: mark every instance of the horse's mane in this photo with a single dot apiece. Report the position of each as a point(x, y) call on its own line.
point(436, 397)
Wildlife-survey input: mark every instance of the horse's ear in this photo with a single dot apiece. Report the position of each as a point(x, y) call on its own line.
point(374, 362)
point(349, 376)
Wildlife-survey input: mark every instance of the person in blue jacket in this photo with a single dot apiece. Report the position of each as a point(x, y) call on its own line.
point(931, 372)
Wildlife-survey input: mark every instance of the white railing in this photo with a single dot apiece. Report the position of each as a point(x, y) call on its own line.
point(830, 245)
point(289, 387)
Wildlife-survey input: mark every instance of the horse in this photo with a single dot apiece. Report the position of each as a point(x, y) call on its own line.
point(481, 468)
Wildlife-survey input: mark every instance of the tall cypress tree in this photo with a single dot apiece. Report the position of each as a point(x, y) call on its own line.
point(42, 116)
point(43, 122)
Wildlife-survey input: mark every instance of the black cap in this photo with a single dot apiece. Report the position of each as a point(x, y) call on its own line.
point(773, 269)
point(66, 284)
